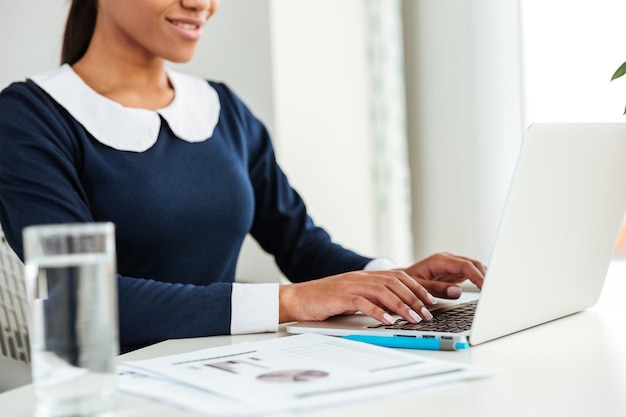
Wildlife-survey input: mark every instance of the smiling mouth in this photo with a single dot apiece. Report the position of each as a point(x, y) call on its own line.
point(184, 25)
point(187, 26)
point(189, 29)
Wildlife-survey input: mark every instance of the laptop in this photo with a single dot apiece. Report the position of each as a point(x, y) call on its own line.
point(555, 240)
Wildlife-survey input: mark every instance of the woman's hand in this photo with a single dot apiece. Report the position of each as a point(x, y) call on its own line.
point(375, 293)
point(442, 272)
point(405, 292)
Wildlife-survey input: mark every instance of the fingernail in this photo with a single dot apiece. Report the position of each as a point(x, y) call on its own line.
point(426, 314)
point(453, 292)
point(389, 319)
point(415, 316)
point(431, 298)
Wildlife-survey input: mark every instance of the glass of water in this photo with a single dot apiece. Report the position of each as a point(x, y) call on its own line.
point(70, 272)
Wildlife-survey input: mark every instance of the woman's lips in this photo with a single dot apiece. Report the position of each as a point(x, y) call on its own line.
point(189, 29)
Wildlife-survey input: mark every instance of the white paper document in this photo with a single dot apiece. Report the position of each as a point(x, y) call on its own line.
point(286, 374)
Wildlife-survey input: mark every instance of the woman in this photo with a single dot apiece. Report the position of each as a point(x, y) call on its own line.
point(185, 171)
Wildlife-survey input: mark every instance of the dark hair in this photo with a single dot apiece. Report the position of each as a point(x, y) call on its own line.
point(79, 27)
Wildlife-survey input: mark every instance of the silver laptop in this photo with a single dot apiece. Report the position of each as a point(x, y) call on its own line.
point(555, 240)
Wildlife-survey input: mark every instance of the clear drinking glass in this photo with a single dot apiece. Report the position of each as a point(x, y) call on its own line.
point(70, 272)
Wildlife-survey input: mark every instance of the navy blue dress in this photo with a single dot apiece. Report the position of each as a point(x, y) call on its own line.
point(181, 209)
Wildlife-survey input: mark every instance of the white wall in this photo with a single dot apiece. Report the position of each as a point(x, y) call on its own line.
point(322, 123)
point(464, 119)
point(30, 37)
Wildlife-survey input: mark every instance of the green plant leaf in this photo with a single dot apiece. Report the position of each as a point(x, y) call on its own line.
point(620, 71)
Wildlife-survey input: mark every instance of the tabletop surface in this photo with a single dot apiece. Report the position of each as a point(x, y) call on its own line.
point(573, 366)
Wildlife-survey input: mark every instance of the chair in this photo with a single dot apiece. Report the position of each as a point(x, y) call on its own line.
point(14, 317)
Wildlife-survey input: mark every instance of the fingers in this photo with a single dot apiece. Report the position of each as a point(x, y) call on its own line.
point(449, 268)
point(381, 314)
point(442, 289)
point(479, 265)
point(375, 293)
point(476, 271)
point(394, 291)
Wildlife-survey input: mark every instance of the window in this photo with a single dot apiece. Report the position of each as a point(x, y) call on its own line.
point(571, 49)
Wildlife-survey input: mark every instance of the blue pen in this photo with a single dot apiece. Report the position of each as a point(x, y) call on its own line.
point(408, 342)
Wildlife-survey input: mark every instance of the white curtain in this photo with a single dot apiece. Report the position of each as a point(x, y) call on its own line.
point(390, 169)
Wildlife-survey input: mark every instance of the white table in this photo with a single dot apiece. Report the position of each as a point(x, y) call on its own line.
point(571, 367)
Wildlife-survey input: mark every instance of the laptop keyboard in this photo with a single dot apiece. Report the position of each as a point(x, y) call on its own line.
point(454, 320)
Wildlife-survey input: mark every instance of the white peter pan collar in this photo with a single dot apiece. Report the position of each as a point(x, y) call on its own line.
point(192, 115)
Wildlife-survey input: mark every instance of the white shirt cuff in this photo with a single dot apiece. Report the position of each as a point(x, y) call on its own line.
point(254, 308)
point(380, 264)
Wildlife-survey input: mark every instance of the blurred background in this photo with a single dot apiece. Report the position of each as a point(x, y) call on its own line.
point(398, 121)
